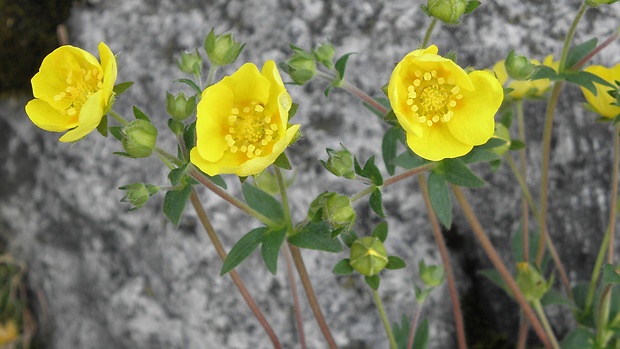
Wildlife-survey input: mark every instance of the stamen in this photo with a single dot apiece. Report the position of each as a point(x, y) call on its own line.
point(259, 108)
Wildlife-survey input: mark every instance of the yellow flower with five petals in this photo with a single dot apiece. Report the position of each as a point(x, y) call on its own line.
point(242, 122)
point(602, 102)
point(444, 110)
point(72, 91)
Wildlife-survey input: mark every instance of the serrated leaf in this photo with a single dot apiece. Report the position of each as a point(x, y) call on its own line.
point(174, 203)
point(373, 281)
point(578, 52)
point(389, 146)
point(395, 263)
point(376, 202)
point(611, 274)
point(471, 6)
point(139, 114)
point(343, 267)
point(262, 202)
point(191, 84)
point(458, 173)
point(270, 249)
point(341, 64)
point(586, 80)
point(243, 248)
point(401, 332)
point(117, 132)
point(420, 341)
point(103, 126)
point(381, 231)
point(409, 160)
point(440, 198)
point(122, 87)
point(283, 162)
point(316, 236)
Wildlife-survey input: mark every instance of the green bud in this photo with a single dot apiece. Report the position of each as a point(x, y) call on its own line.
point(501, 132)
point(368, 256)
point(531, 283)
point(179, 106)
point(432, 275)
point(324, 54)
point(447, 11)
point(519, 67)
point(190, 63)
point(137, 194)
point(300, 68)
point(340, 163)
point(139, 138)
point(338, 211)
point(222, 49)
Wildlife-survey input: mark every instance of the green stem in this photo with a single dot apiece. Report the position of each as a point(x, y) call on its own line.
point(500, 266)
point(364, 97)
point(596, 50)
point(384, 320)
point(282, 188)
point(596, 271)
point(211, 75)
point(294, 294)
point(570, 34)
point(394, 179)
point(414, 325)
point(603, 315)
point(429, 31)
point(523, 330)
point(363, 193)
point(523, 171)
point(543, 318)
point(613, 204)
point(116, 116)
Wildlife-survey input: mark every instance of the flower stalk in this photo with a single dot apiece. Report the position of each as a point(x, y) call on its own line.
point(384, 320)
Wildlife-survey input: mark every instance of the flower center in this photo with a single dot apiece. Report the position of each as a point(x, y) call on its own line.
point(250, 129)
point(80, 88)
point(432, 97)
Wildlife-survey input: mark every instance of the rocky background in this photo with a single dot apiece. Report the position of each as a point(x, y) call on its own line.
point(116, 279)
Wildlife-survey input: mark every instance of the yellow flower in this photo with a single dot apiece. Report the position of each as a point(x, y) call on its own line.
point(8, 332)
point(526, 88)
point(242, 122)
point(444, 111)
point(72, 91)
point(601, 103)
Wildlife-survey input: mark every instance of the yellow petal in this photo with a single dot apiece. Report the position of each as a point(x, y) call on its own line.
point(90, 116)
point(602, 101)
point(279, 101)
point(437, 143)
point(48, 118)
point(212, 121)
point(108, 63)
point(248, 84)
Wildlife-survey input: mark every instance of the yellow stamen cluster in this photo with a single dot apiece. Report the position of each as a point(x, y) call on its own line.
point(432, 97)
point(79, 88)
point(250, 129)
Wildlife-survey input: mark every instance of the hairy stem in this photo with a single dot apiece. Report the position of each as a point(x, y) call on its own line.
point(384, 320)
point(543, 318)
point(414, 326)
point(429, 32)
point(294, 294)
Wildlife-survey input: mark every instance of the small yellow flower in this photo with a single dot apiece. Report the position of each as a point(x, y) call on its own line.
point(602, 102)
point(444, 111)
point(526, 88)
point(8, 332)
point(72, 91)
point(242, 122)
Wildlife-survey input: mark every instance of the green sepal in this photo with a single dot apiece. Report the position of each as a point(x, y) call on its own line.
point(458, 173)
point(493, 142)
point(191, 84)
point(122, 153)
point(270, 249)
point(471, 6)
point(389, 146)
point(376, 202)
point(243, 248)
point(579, 52)
point(316, 236)
point(506, 118)
point(262, 202)
point(516, 144)
point(189, 135)
point(395, 263)
point(478, 154)
point(440, 198)
point(283, 162)
point(293, 110)
point(117, 132)
point(373, 281)
point(139, 114)
point(343, 267)
point(122, 87)
point(103, 126)
point(381, 231)
point(174, 203)
point(176, 126)
point(301, 52)
point(341, 64)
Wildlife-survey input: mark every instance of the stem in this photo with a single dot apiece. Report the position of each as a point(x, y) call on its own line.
point(603, 314)
point(445, 258)
point(284, 197)
point(414, 325)
point(211, 75)
point(294, 294)
point(596, 271)
point(204, 219)
point(545, 323)
point(523, 330)
point(596, 50)
point(524, 205)
point(429, 31)
point(570, 34)
point(613, 204)
point(499, 265)
point(116, 116)
point(364, 97)
point(394, 179)
point(384, 320)
point(314, 304)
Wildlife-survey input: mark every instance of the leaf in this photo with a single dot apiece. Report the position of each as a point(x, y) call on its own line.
point(506, 118)
point(341, 64)
point(493, 142)
point(578, 52)
point(243, 248)
point(586, 80)
point(516, 144)
point(373, 281)
point(611, 274)
point(283, 162)
point(349, 238)
point(545, 72)
point(262, 202)
point(139, 114)
point(494, 276)
point(458, 173)
point(440, 198)
point(381, 231)
point(343, 267)
point(420, 341)
point(270, 248)
point(389, 145)
point(409, 160)
point(471, 6)
point(122, 87)
point(191, 84)
point(370, 171)
point(117, 132)
point(316, 236)
point(381, 100)
point(174, 203)
point(376, 202)
point(395, 263)
point(480, 155)
point(553, 297)
point(189, 135)
point(103, 126)
point(401, 332)
point(580, 338)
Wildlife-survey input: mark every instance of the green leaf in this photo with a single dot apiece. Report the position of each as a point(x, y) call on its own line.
point(316, 236)
point(545, 72)
point(174, 203)
point(381, 100)
point(243, 248)
point(270, 248)
point(553, 297)
point(480, 155)
point(440, 198)
point(373, 281)
point(580, 338)
point(283, 162)
point(376, 202)
point(189, 135)
point(139, 114)
point(494, 276)
point(401, 332)
point(349, 238)
point(122, 87)
point(381, 231)
point(395, 263)
point(409, 160)
point(262, 202)
point(191, 84)
point(516, 144)
point(176, 126)
point(611, 274)
point(103, 126)
point(293, 110)
point(117, 132)
point(578, 52)
point(493, 142)
point(506, 118)
point(343, 267)
point(420, 341)
point(389, 145)
point(370, 171)
point(341, 64)
point(458, 173)
point(471, 6)
point(586, 80)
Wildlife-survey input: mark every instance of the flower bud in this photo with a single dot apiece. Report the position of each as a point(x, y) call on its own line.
point(301, 68)
point(222, 49)
point(340, 163)
point(338, 211)
point(137, 194)
point(432, 275)
point(324, 54)
point(368, 256)
point(179, 106)
point(447, 11)
point(190, 63)
point(531, 283)
point(139, 138)
point(519, 67)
